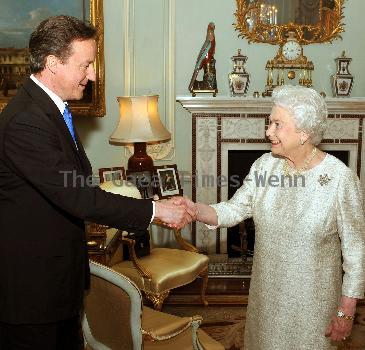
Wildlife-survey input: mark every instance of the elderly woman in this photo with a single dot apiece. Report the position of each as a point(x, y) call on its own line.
point(299, 298)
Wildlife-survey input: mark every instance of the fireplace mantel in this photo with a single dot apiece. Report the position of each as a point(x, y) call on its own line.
point(225, 104)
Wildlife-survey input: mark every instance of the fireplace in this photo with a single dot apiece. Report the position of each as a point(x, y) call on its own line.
point(224, 128)
point(240, 238)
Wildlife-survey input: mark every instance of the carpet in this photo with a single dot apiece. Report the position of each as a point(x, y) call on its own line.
point(226, 324)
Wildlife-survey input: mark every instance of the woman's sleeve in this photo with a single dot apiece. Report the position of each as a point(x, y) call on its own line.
point(239, 207)
point(351, 229)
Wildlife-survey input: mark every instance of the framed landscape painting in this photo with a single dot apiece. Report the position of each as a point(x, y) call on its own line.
point(18, 19)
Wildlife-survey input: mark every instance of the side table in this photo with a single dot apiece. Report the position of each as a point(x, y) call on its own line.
point(102, 250)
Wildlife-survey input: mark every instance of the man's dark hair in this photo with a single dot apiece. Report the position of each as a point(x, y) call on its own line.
point(54, 36)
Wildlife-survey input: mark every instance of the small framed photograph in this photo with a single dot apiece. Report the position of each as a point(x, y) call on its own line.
point(111, 174)
point(168, 181)
point(143, 180)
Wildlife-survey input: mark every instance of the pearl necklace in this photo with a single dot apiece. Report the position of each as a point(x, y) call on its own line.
point(288, 170)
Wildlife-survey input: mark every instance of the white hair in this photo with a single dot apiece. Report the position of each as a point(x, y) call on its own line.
point(307, 106)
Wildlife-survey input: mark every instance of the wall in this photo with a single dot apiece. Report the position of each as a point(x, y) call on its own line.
point(150, 55)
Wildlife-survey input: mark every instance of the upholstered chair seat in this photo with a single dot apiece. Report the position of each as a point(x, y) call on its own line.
point(182, 267)
point(115, 319)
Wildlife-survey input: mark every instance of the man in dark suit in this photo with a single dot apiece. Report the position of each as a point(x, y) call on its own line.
point(45, 196)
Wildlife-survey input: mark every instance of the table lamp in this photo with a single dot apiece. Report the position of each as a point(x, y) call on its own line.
point(139, 124)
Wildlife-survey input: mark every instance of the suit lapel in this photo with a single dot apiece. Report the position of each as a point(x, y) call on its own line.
point(85, 163)
point(50, 108)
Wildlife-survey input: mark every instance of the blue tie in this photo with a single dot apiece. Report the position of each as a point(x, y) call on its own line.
point(67, 116)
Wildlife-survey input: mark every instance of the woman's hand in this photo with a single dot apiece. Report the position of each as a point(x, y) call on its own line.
point(340, 328)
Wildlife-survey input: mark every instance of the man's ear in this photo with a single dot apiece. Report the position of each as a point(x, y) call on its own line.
point(52, 63)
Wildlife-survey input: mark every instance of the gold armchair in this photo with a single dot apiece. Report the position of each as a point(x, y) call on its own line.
point(164, 268)
point(115, 319)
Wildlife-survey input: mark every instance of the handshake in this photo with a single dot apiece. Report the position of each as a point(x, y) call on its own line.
point(176, 212)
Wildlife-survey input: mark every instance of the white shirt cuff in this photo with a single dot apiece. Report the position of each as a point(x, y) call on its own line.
point(153, 210)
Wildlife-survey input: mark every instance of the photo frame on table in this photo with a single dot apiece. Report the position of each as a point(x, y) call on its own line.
point(16, 27)
point(168, 181)
point(111, 174)
point(143, 180)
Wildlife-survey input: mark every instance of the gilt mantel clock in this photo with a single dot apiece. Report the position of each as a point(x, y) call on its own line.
point(289, 65)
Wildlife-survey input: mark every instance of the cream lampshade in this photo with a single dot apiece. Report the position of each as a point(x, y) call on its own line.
point(139, 123)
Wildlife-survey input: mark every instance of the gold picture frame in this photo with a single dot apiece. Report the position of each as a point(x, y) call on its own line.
point(93, 103)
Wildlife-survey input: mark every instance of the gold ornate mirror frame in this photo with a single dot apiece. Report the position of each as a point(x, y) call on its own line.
point(328, 28)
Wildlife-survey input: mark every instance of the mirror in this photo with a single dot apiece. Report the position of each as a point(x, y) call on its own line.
point(269, 21)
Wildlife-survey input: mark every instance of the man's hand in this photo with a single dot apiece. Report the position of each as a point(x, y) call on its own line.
point(174, 215)
point(198, 211)
point(191, 207)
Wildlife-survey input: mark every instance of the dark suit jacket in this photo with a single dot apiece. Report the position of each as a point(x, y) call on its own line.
point(43, 205)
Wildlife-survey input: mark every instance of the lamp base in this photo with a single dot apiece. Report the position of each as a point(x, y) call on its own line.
point(140, 160)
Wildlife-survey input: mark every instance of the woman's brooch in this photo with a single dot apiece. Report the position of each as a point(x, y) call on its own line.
point(324, 179)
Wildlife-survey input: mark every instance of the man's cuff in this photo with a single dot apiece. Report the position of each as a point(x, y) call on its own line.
point(153, 210)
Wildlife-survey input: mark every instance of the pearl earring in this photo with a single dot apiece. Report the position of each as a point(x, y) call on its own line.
point(301, 141)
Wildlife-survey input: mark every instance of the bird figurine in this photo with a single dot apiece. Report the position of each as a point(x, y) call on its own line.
point(206, 62)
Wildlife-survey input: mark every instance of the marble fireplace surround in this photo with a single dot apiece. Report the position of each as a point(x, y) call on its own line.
point(221, 124)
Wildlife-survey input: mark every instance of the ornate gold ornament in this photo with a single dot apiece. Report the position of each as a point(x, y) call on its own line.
point(257, 21)
point(291, 75)
point(157, 298)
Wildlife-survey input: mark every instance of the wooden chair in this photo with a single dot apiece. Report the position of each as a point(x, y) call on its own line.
point(115, 319)
point(164, 268)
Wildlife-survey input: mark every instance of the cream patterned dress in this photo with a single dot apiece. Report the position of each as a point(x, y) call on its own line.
point(301, 231)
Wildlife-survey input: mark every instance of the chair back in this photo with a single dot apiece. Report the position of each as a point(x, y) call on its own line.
point(112, 311)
